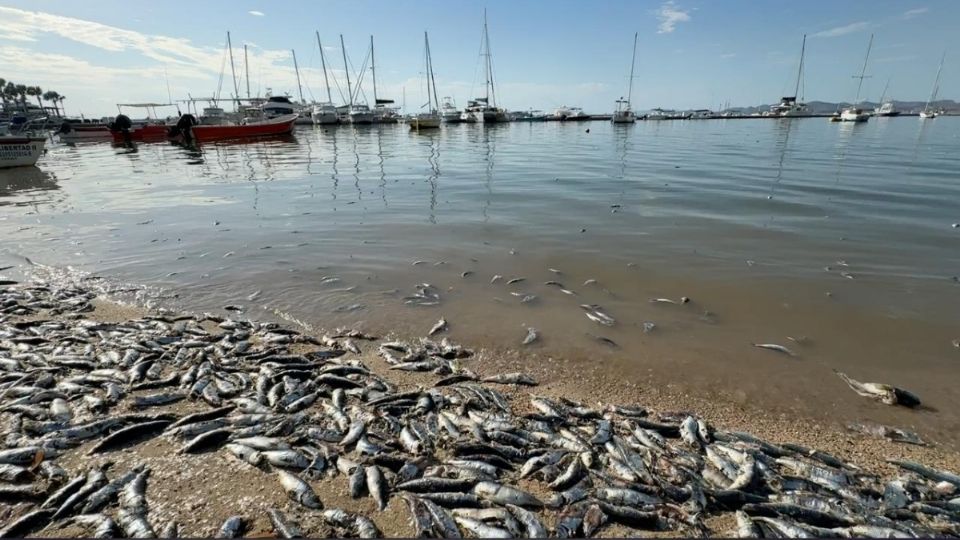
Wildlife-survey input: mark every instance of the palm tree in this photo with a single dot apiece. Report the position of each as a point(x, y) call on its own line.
point(36, 92)
point(51, 96)
point(22, 93)
point(10, 91)
point(60, 99)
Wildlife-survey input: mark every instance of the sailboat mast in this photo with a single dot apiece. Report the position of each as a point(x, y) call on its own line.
point(246, 68)
point(346, 69)
point(936, 83)
point(297, 70)
point(323, 62)
point(431, 83)
point(633, 63)
point(491, 90)
point(803, 49)
point(233, 72)
point(863, 70)
point(373, 72)
point(884, 94)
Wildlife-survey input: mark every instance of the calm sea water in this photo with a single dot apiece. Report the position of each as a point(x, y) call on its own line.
point(842, 234)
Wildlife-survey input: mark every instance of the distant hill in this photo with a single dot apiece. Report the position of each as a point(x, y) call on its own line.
point(825, 107)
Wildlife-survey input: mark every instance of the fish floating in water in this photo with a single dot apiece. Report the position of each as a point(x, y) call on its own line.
point(774, 347)
point(683, 300)
point(461, 456)
point(532, 335)
point(884, 393)
point(441, 326)
point(596, 314)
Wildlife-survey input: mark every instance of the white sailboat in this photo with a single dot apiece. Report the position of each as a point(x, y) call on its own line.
point(789, 106)
point(624, 114)
point(324, 113)
point(886, 107)
point(485, 109)
point(356, 114)
point(854, 113)
point(927, 112)
point(430, 119)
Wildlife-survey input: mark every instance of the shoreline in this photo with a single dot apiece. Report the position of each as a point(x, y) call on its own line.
point(178, 492)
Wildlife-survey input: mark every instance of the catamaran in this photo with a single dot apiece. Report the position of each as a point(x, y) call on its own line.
point(928, 112)
point(624, 114)
point(789, 105)
point(485, 109)
point(431, 118)
point(854, 113)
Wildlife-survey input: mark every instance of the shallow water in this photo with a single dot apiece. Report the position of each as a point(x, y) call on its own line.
point(838, 233)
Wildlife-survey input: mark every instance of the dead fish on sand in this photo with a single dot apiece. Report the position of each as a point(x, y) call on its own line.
point(884, 393)
point(606, 341)
point(441, 326)
point(774, 347)
point(886, 432)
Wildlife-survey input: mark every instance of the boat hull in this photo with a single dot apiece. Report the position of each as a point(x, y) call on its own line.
point(326, 119)
point(889, 114)
point(154, 132)
point(926, 115)
point(281, 125)
point(20, 151)
point(361, 119)
point(424, 123)
point(85, 134)
point(624, 117)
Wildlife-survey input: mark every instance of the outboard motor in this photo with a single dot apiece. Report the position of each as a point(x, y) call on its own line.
point(122, 124)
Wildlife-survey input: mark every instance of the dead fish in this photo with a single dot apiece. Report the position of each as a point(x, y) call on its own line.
point(283, 526)
point(606, 341)
point(683, 300)
point(298, 491)
point(416, 263)
point(441, 326)
point(233, 527)
point(466, 273)
point(503, 494)
point(532, 335)
point(595, 314)
point(516, 280)
point(886, 432)
point(774, 347)
point(377, 486)
point(482, 530)
point(511, 378)
point(884, 393)
point(496, 278)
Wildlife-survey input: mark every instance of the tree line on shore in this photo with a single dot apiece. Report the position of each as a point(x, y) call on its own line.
point(13, 93)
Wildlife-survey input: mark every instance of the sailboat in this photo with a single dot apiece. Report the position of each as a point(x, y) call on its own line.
point(854, 113)
point(430, 119)
point(485, 109)
point(382, 114)
point(789, 106)
point(357, 114)
point(927, 112)
point(324, 113)
point(886, 107)
point(624, 114)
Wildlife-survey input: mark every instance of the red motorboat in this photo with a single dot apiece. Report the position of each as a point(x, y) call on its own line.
point(280, 125)
point(148, 132)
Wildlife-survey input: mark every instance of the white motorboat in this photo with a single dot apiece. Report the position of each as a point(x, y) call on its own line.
point(430, 119)
point(16, 151)
point(855, 113)
point(886, 107)
point(791, 106)
point(667, 114)
point(277, 106)
point(569, 114)
point(324, 114)
point(361, 115)
point(449, 111)
point(624, 114)
point(928, 111)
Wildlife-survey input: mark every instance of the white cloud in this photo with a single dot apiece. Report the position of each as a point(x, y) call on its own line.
point(900, 58)
point(670, 15)
point(843, 30)
point(728, 55)
point(915, 12)
point(256, 13)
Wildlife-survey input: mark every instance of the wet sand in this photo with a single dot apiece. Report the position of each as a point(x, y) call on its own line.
point(201, 491)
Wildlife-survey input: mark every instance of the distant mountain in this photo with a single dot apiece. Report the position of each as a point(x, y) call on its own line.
point(825, 107)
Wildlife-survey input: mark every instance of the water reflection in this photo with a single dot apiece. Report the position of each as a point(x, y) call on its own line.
point(28, 186)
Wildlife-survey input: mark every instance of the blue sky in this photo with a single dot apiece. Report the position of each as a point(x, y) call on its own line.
point(691, 54)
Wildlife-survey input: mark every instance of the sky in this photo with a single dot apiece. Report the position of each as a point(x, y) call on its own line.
point(690, 53)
